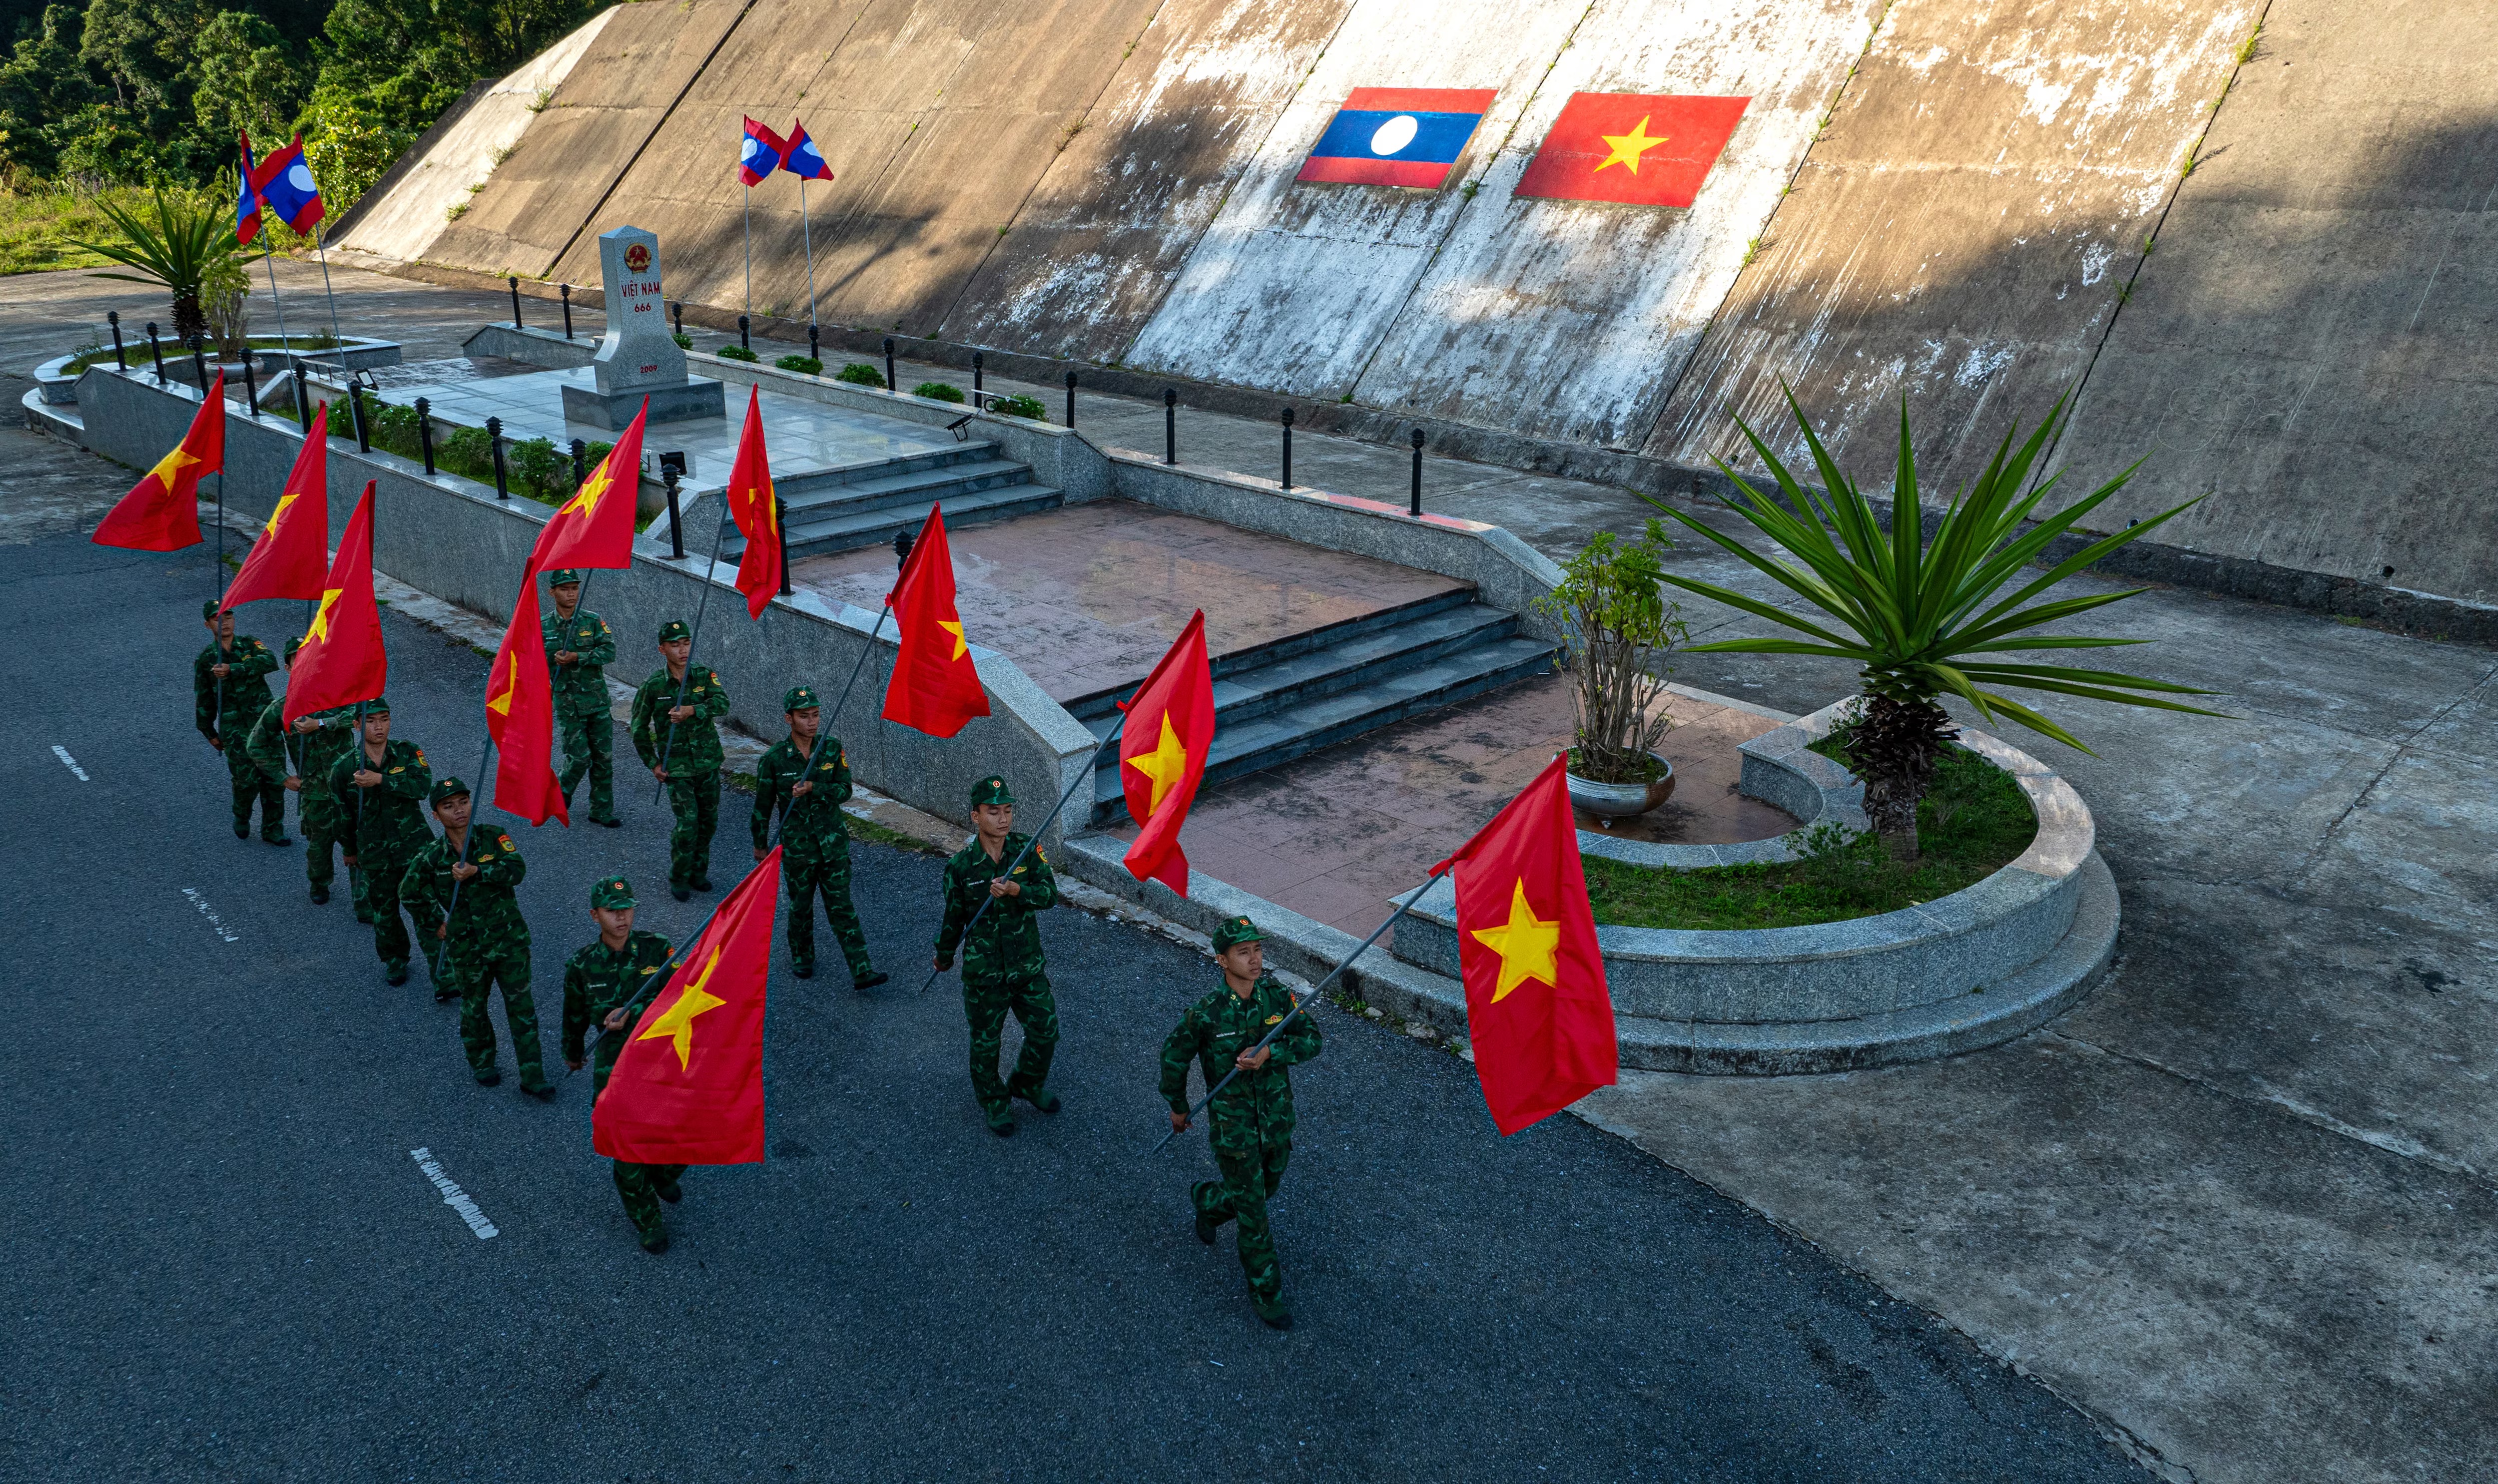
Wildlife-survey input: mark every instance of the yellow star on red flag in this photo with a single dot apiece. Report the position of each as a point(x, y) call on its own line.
point(1165, 765)
point(678, 1022)
point(1527, 945)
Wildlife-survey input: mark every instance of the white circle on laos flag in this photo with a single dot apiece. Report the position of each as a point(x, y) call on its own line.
point(752, 147)
point(1396, 133)
point(298, 177)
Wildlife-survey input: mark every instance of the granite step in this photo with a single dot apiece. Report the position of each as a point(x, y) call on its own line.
point(843, 527)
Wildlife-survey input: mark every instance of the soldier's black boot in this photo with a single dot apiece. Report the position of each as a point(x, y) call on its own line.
point(1206, 1225)
point(868, 980)
point(243, 831)
point(671, 1192)
point(320, 895)
point(1042, 1098)
point(490, 1078)
point(1280, 1320)
point(804, 969)
point(680, 893)
point(395, 972)
point(1002, 1123)
point(655, 1241)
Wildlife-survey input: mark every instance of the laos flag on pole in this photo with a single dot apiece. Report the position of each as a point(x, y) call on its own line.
point(283, 183)
point(248, 213)
point(806, 160)
point(760, 154)
point(1397, 135)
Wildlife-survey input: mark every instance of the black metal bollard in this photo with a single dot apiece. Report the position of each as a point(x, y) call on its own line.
point(565, 290)
point(975, 372)
point(580, 464)
point(1417, 511)
point(780, 529)
point(816, 347)
point(1288, 448)
point(356, 414)
point(425, 431)
point(888, 365)
point(1170, 425)
point(302, 394)
point(250, 386)
point(1071, 398)
point(200, 367)
point(742, 339)
point(903, 541)
point(156, 350)
point(516, 302)
point(120, 359)
point(495, 438)
point(679, 310)
point(676, 517)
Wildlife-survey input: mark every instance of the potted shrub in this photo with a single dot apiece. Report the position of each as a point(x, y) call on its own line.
point(1615, 621)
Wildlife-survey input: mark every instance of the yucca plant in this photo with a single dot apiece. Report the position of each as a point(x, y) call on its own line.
point(1924, 617)
point(180, 250)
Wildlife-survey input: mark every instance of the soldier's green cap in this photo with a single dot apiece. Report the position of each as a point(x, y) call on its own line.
point(378, 706)
point(1235, 931)
point(673, 630)
point(292, 645)
point(991, 790)
point(446, 791)
point(560, 576)
point(800, 698)
point(208, 610)
point(612, 894)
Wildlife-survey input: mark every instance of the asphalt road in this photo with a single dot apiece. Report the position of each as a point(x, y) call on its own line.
point(224, 1263)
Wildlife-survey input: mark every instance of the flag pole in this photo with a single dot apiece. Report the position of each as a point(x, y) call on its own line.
point(336, 339)
point(750, 252)
point(1084, 779)
point(483, 758)
point(711, 580)
point(1303, 1000)
point(808, 232)
point(780, 812)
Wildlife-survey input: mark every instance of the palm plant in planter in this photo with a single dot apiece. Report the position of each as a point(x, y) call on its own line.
point(1924, 617)
point(1615, 619)
point(181, 251)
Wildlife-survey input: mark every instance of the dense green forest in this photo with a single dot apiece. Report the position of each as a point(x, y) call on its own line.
point(96, 94)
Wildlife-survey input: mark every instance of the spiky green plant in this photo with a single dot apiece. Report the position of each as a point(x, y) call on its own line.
point(190, 240)
point(1922, 617)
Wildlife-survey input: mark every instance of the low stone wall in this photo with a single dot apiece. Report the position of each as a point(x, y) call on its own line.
point(451, 537)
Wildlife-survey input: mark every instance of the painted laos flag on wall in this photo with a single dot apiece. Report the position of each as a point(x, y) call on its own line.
point(1642, 150)
point(1397, 135)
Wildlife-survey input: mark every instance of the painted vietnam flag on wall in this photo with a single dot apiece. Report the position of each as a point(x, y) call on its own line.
point(1646, 150)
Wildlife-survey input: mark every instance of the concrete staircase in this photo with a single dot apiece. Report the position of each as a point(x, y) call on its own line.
point(1275, 702)
point(838, 510)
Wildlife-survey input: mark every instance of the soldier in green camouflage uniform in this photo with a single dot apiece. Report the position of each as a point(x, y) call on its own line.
point(468, 875)
point(679, 741)
point(579, 648)
point(610, 983)
point(811, 775)
point(307, 751)
point(1002, 964)
point(229, 690)
point(381, 788)
point(1252, 1119)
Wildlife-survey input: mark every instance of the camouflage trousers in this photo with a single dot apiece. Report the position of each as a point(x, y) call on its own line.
point(639, 1187)
point(1252, 1166)
point(250, 783)
point(590, 747)
point(695, 802)
point(326, 829)
point(478, 972)
point(382, 873)
point(985, 1003)
point(830, 877)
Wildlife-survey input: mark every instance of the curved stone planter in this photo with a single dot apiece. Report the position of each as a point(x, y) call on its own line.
point(1979, 966)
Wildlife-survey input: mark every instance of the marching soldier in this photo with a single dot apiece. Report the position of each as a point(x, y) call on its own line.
point(1002, 963)
point(1252, 1119)
point(466, 885)
point(679, 741)
point(580, 647)
point(811, 775)
point(380, 787)
point(307, 749)
point(611, 981)
point(229, 690)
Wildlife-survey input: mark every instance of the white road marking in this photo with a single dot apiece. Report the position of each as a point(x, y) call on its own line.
point(68, 762)
point(452, 1195)
point(216, 924)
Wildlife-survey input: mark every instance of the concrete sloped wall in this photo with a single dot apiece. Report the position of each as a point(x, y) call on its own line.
point(2311, 343)
point(1960, 235)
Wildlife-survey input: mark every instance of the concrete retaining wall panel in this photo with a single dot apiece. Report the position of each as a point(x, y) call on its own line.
point(2314, 343)
point(1571, 319)
point(1097, 246)
point(1961, 234)
point(578, 146)
point(1293, 286)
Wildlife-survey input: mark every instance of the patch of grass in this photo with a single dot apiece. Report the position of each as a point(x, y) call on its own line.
point(803, 366)
point(736, 353)
point(858, 373)
point(937, 391)
point(1973, 822)
point(37, 228)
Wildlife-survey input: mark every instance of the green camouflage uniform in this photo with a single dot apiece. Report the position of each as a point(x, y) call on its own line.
point(488, 944)
point(692, 749)
point(226, 714)
point(1003, 971)
point(389, 824)
point(1251, 1121)
point(309, 756)
point(582, 709)
point(814, 846)
point(596, 981)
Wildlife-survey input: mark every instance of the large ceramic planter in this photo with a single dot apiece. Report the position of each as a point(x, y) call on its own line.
point(1979, 966)
point(1621, 800)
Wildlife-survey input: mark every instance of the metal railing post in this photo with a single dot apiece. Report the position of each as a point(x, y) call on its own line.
point(1071, 398)
point(1170, 425)
point(494, 439)
point(744, 340)
point(121, 358)
point(676, 516)
point(888, 364)
point(250, 386)
point(1417, 511)
point(1288, 448)
point(815, 346)
point(425, 431)
point(200, 367)
point(580, 464)
point(780, 529)
point(156, 351)
point(516, 302)
point(976, 372)
point(679, 310)
point(356, 414)
point(565, 290)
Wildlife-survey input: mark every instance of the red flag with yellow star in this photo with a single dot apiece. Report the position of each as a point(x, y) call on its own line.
point(1641, 149)
point(687, 1087)
point(594, 527)
point(161, 512)
point(751, 504)
point(1163, 747)
point(520, 715)
point(291, 557)
point(936, 687)
point(1537, 1009)
point(342, 660)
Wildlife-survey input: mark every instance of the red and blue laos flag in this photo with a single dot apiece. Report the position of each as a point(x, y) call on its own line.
point(283, 183)
point(805, 161)
point(1397, 135)
point(760, 154)
point(247, 205)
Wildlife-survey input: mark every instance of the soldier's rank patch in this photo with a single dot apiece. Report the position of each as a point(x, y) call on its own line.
point(507, 843)
point(653, 970)
point(1273, 1019)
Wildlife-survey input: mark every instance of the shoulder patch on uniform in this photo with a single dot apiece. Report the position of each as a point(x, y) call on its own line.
point(420, 754)
point(653, 970)
point(507, 843)
point(1273, 1019)
point(399, 770)
point(1040, 855)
